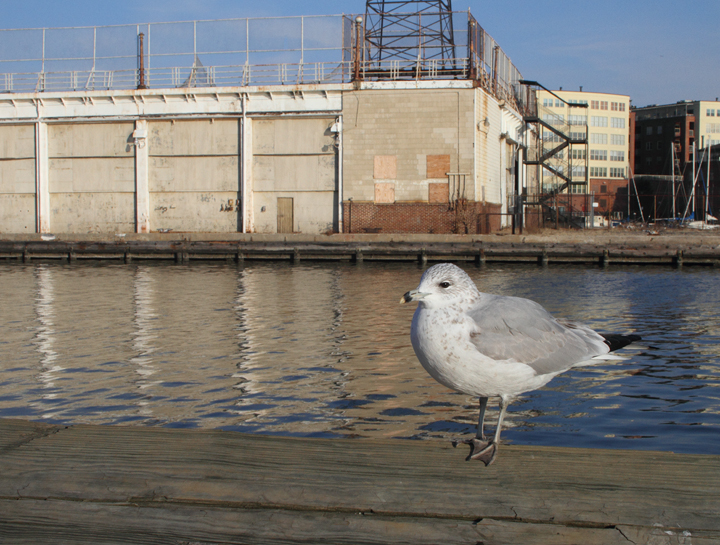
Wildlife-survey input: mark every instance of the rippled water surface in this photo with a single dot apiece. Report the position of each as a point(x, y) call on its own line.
point(324, 350)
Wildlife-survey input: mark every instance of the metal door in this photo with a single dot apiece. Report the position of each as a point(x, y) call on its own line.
point(285, 215)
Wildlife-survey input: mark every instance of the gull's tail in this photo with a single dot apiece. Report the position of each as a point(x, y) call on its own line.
point(615, 342)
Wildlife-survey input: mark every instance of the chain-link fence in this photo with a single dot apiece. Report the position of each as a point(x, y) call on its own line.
point(242, 52)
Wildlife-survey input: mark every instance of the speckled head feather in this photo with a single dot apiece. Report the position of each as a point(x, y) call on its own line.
point(446, 284)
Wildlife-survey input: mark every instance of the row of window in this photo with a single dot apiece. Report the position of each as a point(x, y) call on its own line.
point(602, 155)
point(557, 103)
point(601, 121)
point(549, 136)
point(603, 105)
point(713, 128)
point(602, 138)
point(602, 172)
point(711, 113)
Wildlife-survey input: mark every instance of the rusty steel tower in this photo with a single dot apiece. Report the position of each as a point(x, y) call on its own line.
point(406, 30)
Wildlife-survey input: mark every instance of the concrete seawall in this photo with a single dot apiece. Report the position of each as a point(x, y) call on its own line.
point(674, 248)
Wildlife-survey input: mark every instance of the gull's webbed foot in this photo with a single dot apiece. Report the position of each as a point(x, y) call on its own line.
point(480, 449)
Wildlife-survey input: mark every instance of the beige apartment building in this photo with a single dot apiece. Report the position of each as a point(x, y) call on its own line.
point(601, 165)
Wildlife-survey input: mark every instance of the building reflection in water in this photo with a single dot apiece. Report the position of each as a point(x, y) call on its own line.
point(321, 349)
point(45, 340)
point(143, 335)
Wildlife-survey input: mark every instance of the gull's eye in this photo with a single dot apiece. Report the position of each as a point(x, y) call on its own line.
point(444, 284)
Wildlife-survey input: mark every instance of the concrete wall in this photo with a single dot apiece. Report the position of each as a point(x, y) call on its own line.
point(194, 175)
point(389, 135)
point(17, 179)
point(296, 158)
point(488, 128)
point(91, 177)
point(218, 159)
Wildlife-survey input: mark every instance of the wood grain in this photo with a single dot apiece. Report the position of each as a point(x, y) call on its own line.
point(286, 490)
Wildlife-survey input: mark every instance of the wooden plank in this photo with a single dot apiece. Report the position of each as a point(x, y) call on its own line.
point(50, 521)
point(389, 478)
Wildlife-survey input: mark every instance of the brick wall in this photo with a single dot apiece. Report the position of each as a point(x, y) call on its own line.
point(472, 218)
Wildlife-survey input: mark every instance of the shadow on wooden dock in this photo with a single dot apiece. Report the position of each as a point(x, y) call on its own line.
point(103, 484)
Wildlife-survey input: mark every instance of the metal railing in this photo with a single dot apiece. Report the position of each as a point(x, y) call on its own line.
point(238, 52)
point(250, 51)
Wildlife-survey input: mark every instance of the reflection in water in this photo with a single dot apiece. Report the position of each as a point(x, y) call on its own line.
point(324, 350)
point(143, 335)
point(45, 335)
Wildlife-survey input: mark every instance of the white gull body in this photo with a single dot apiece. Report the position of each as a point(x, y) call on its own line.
point(494, 346)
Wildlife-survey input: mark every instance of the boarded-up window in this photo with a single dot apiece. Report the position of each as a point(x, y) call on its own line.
point(438, 166)
point(438, 192)
point(385, 167)
point(384, 192)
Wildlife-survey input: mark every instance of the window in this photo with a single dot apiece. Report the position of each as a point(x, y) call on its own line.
point(577, 136)
point(597, 121)
point(598, 172)
point(617, 122)
point(598, 138)
point(594, 105)
point(598, 155)
point(713, 128)
point(648, 130)
point(578, 171)
point(659, 130)
point(603, 105)
point(617, 172)
point(577, 120)
point(711, 113)
point(554, 119)
point(549, 136)
point(648, 146)
point(617, 155)
point(603, 188)
point(558, 103)
point(578, 154)
point(617, 139)
point(547, 102)
point(614, 106)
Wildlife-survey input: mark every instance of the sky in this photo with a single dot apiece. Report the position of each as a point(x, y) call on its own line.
point(655, 51)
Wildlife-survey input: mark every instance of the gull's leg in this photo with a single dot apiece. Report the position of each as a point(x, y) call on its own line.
point(478, 443)
point(481, 419)
point(488, 454)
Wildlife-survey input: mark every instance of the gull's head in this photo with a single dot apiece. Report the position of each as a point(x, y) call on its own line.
point(442, 285)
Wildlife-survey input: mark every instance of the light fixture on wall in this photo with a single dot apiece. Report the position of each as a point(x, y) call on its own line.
point(139, 137)
point(484, 126)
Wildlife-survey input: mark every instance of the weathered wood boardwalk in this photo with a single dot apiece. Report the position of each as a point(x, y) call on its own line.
point(670, 250)
point(101, 484)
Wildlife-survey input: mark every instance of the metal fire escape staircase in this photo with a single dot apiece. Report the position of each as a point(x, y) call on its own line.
point(558, 135)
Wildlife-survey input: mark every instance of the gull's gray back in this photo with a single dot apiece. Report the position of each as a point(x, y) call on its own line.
point(515, 329)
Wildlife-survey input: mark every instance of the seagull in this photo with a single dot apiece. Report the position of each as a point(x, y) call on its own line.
point(488, 345)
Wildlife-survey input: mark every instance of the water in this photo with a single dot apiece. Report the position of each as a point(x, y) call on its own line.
point(323, 350)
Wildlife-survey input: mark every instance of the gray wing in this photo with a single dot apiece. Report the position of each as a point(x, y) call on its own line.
point(515, 329)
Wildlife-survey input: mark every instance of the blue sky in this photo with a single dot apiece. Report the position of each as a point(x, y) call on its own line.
point(656, 51)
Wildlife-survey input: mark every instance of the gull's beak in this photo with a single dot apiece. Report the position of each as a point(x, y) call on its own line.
point(413, 295)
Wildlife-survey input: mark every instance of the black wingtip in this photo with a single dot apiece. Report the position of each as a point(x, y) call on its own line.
point(616, 342)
